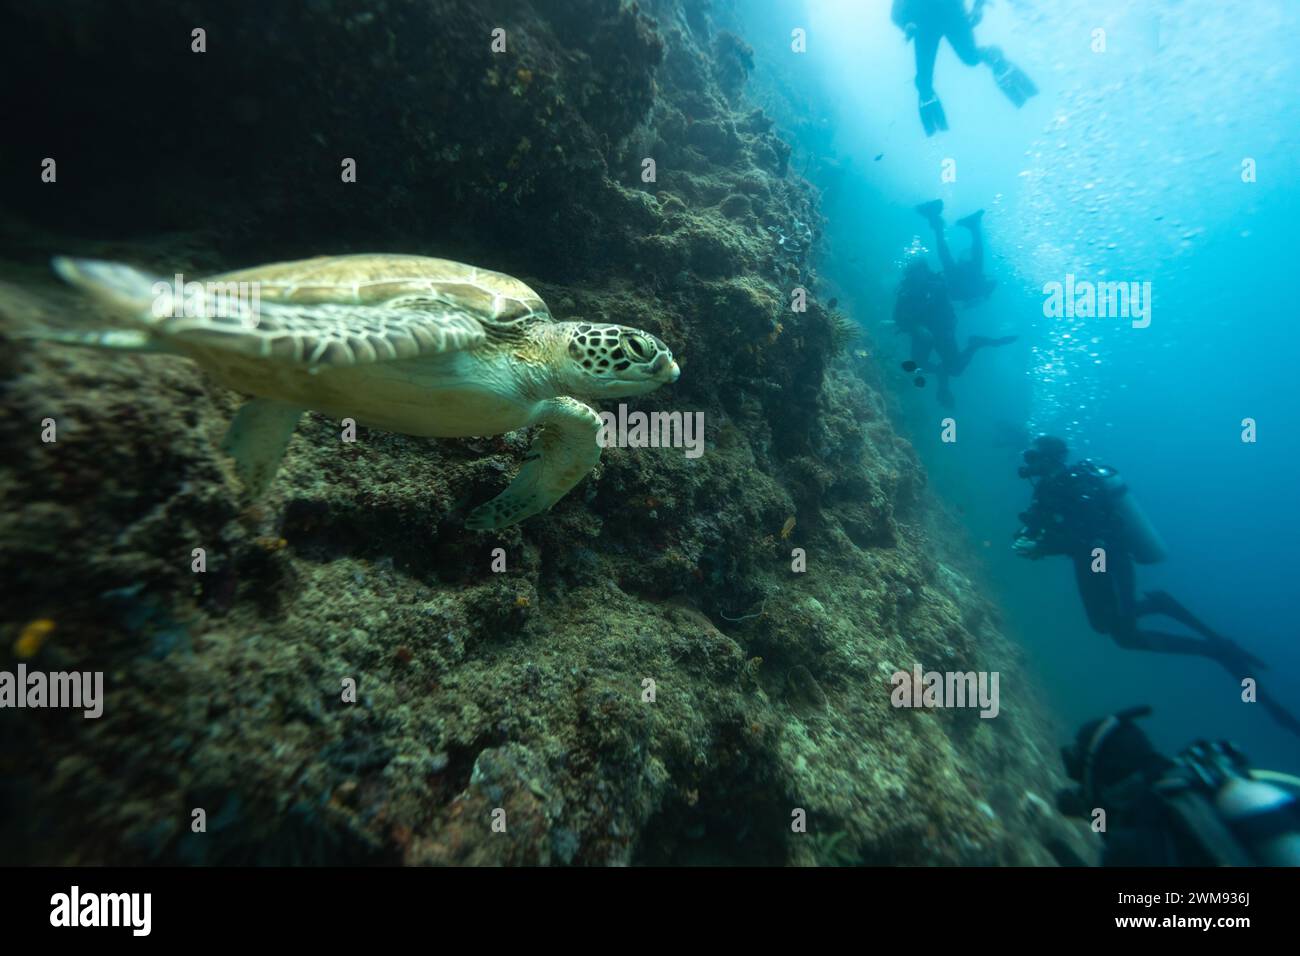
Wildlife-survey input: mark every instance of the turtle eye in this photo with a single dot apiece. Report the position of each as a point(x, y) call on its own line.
point(638, 346)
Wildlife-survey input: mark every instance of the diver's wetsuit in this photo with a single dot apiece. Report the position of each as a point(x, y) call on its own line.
point(936, 19)
point(1071, 514)
point(924, 311)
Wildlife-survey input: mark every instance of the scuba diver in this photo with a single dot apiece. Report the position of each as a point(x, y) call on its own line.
point(1207, 807)
point(966, 279)
point(926, 22)
point(924, 311)
point(1081, 507)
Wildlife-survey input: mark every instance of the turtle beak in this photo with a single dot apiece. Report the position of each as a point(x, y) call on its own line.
point(666, 369)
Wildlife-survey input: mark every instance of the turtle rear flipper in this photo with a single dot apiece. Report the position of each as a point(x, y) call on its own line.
point(257, 439)
point(122, 289)
point(565, 451)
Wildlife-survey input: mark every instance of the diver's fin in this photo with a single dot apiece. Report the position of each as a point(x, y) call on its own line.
point(1162, 602)
point(932, 209)
point(257, 438)
point(932, 117)
point(972, 221)
point(1233, 657)
point(1013, 81)
point(562, 454)
point(1249, 659)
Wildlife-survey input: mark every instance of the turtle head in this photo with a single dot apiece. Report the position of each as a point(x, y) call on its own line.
point(611, 361)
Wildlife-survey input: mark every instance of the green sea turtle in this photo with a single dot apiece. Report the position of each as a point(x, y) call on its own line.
point(409, 344)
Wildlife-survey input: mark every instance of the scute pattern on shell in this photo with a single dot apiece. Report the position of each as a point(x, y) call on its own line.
point(374, 279)
point(354, 310)
point(329, 334)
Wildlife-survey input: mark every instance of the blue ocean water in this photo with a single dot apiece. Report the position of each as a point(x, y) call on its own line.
point(1133, 164)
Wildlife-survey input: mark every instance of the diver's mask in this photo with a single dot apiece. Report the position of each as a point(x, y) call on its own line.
point(1032, 468)
point(1044, 456)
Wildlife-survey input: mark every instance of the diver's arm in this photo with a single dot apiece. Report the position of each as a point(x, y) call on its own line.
point(977, 12)
point(1028, 541)
point(1052, 520)
point(1026, 545)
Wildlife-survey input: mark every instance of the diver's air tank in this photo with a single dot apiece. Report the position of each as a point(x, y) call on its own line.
point(1144, 542)
point(1264, 817)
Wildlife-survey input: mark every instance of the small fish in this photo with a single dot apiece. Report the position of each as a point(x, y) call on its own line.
point(879, 156)
point(862, 353)
point(787, 527)
point(34, 635)
point(909, 366)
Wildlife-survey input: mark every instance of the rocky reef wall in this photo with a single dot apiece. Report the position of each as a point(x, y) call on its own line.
point(523, 690)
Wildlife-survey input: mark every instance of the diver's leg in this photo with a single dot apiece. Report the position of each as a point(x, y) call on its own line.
point(927, 48)
point(961, 35)
point(1097, 595)
point(1165, 604)
point(951, 358)
point(976, 243)
point(973, 345)
point(945, 346)
point(1122, 575)
point(1123, 572)
point(1129, 637)
point(922, 345)
point(961, 359)
point(929, 108)
point(944, 393)
point(1162, 602)
point(941, 246)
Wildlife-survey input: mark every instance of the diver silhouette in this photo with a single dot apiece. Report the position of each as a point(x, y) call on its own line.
point(926, 23)
point(966, 279)
point(1082, 507)
point(923, 310)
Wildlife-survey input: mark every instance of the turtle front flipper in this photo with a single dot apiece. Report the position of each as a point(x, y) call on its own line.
point(561, 456)
point(257, 438)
